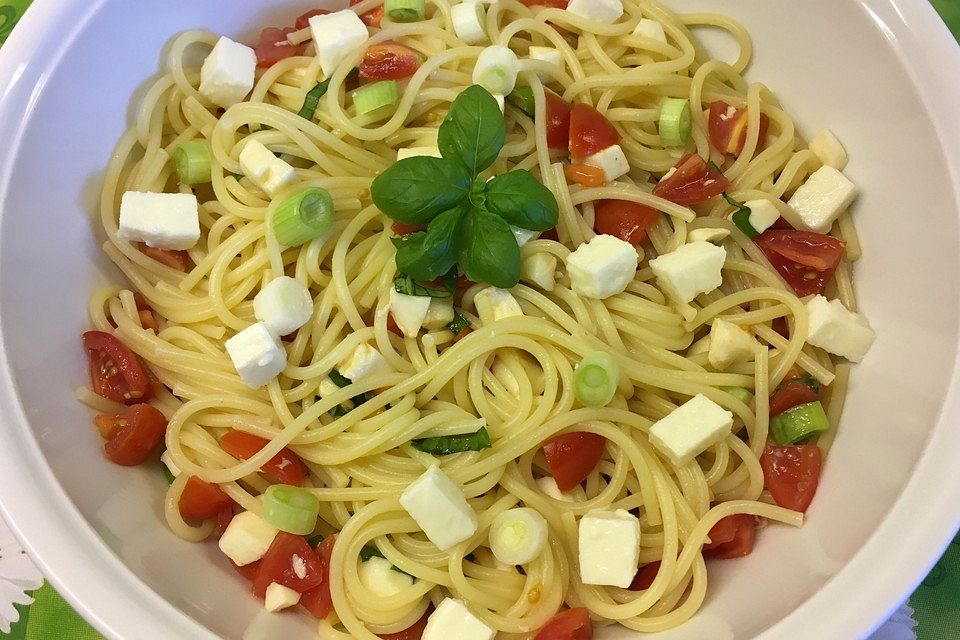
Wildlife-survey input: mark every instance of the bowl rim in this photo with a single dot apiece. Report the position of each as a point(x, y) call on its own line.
point(920, 524)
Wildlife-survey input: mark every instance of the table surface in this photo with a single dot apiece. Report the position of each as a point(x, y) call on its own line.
point(31, 610)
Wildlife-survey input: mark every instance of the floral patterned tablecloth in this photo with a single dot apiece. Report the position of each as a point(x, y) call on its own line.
point(31, 610)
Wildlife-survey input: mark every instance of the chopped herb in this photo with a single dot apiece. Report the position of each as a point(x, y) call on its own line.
point(741, 217)
point(166, 474)
point(372, 552)
point(447, 445)
point(460, 323)
point(312, 99)
point(408, 286)
point(341, 409)
point(314, 541)
point(338, 379)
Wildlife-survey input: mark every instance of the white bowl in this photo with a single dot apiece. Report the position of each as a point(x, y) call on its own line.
point(882, 73)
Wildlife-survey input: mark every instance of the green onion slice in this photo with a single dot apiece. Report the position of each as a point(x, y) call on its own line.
point(376, 96)
point(303, 217)
point(799, 423)
point(405, 10)
point(291, 509)
point(446, 445)
point(522, 98)
point(741, 394)
point(595, 380)
point(167, 474)
point(192, 161)
point(676, 122)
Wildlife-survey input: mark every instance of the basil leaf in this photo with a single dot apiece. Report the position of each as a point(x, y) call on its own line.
point(368, 552)
point(427, 255)
point(339, 379)
point(408, 286)
point(491, 254)
point(473, 132)
point(523, 201)
point(741, 217)
point(447, 445)
point(312, 100)
point(460, 323)
point(416, 190)
point(522, 98)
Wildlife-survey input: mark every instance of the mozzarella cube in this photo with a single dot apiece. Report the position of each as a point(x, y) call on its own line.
point(284, 305)
point(836, 329)
point(763, 214)
point(469, 22)
point(337, 36)
point(409, 312)
point(609, 544)
point(540, 269)
point(228, 73)
point(612, 160)
point(708, 234)
point(549, 487)
point(602, 267)
point(161, 220)
point(496, 70)
point(436, 503)
point(546, 54)
point(825, 195)
point(691, 429)
point(652, 29)
point(257, 354)
point(247, 538)
point(379, 576)
point(692, 269)
point(279, 597)
point(608, 11)
point(452, 619)
point(495, 304)
point(327, 388)
point(829, 150)
point(363, 361)
point(168, 463)
point(439, 314)
point(267, 171)
point(415, 152)
point(523, 236)
point(729, 344)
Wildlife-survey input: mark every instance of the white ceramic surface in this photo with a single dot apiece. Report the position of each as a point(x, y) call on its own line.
point(872, 70)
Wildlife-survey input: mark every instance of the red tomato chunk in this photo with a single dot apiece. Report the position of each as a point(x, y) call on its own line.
point(573, 456)
point(792, 474)
point(285, 467)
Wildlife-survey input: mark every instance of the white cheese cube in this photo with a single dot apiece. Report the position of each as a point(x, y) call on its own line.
point(439, 314)
point(161, 220)
point(652, 29)
point(337, 36)
point(729, 344)
point(691, 429)
point(549, 486)
point(836, 329)
point(608, 11)
point(228, 73)
point(829, 150)
point(496, 70)
point(267, 171)
point(495, 304)
point(707, 234)
point(523, 236)
point(279, 597)
point(452, 619)
point(379, 576)
point(469, 22)
point(257, 354)
point(822, 198)
point(692, 269)
point(612, 160)
point(763, 214)
point(247, 538)
point(549, 55)
point(414, 152)
point(602, 267)
point(609, 544)
point(436, 503)
point(540, 269)
point(284, 305)
point(327, 388)
point(363, 361)
point(169, 464)
point(409, 312)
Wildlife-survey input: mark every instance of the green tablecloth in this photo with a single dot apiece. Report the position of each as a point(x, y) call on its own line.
point(935, 604)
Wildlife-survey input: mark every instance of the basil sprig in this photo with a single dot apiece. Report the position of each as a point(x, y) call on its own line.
point(407, 285)
point(468, 218)
point(741, 217)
